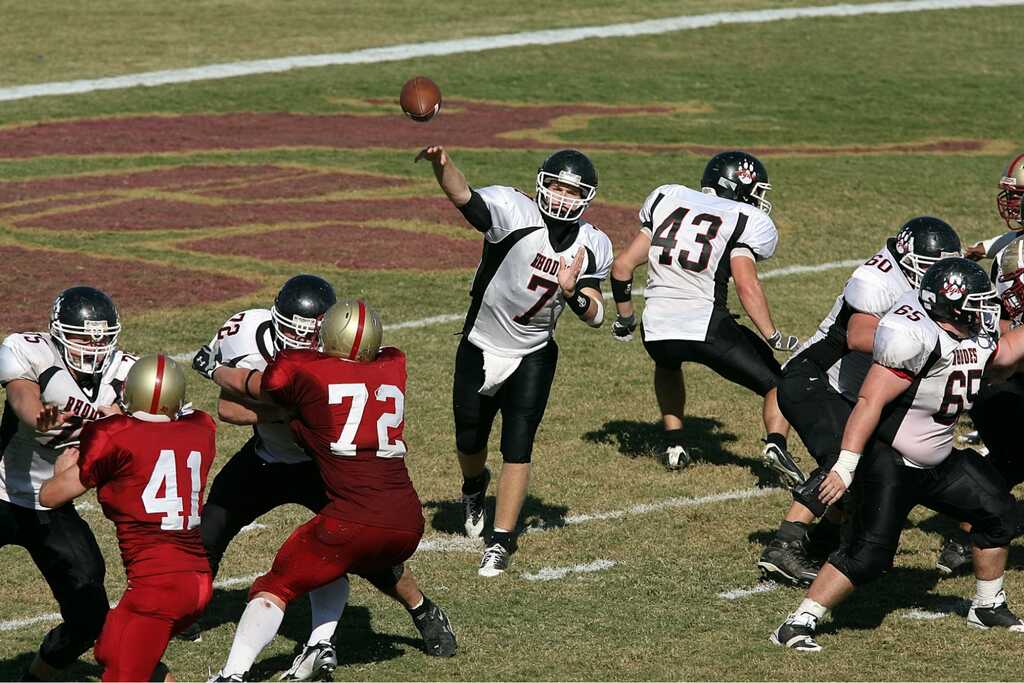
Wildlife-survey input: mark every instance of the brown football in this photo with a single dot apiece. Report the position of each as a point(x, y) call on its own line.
point(420, 99)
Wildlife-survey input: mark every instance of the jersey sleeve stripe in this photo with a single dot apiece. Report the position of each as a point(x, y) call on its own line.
point(359, 331)
point(154, 405)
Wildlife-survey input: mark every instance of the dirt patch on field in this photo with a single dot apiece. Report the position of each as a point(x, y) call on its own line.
point(312, 185)
point(353, 247)
point(469, 124)
point(175, 179)
point(46, 205)
point(32, 278)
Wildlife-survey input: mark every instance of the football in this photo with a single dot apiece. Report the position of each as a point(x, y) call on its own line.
point(420, 99)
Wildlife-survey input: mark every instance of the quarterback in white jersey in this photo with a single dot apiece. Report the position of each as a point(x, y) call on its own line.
point(693, 243)
point(272, 469)
point(820, 384)
point(930, 353)
point(539, 257)
point(56, 381)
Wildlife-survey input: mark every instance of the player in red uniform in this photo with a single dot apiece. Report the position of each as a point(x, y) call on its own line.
point(348, 408)
point(149, 468)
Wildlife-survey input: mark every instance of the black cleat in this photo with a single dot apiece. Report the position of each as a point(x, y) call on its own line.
point(192, 634)
point(955, 557)
point(996, 615)
point(797, 633)
point(782, 463)
point(787, 562)
point(436, 631)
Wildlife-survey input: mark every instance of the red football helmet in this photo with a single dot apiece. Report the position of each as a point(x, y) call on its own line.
point(1011, 189)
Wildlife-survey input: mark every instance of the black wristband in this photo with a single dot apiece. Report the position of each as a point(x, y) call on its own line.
point(247, 378)
point(579, 303)
point(622, 290)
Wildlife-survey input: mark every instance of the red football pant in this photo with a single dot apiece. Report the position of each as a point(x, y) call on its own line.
point(325, 548)
point(151, 611)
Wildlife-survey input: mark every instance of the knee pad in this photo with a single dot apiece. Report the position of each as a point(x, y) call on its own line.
point(1005, 524)
point(518, 457)
point(863, 562)
point(386, 579)
point(807, 493)
point(468, 441)
point(85, 611)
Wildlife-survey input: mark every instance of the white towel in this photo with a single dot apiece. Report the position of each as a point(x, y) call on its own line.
point(497, 369)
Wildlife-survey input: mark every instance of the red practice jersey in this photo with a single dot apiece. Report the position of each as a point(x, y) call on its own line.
point(150, 478)
point(350, 416)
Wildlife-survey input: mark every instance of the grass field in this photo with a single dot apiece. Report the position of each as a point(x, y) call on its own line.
point(191, 202)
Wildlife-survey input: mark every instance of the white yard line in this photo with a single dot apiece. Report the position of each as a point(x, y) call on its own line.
point(759, 587)
point(484, 43)
point(554, 573)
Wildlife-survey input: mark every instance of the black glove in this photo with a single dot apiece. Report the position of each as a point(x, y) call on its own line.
point(207, 360)
point(622, 328)
point(783, 342)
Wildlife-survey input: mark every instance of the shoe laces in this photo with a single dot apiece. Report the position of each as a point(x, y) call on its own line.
point(805, 619)
point(495, 554)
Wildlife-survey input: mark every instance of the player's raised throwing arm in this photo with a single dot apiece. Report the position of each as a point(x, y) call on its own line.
point(448, 175)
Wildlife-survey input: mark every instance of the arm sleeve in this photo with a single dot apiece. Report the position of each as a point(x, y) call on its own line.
point(14, 363)
point(646, 214)
point(510, 210)
point(99, 457)
point(898, 347)
point(278, 379)
point(868, 296)
point(599, 259)
point(476, 212)
point(759, 236)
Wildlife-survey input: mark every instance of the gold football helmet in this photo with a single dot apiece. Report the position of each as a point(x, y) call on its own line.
point(352, 330)
point(1011, 189)
point(155, 385)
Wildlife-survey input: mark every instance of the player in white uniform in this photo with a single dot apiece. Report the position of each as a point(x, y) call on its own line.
point(538, 258)
point(820, 384)
point(57, 381)
point(930, 353)
point(693, 242)
point(271, 469)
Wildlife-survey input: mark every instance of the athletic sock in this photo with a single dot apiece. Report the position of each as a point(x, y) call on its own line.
point(776, 439)
point(674, 437)
point(420, 609)
point(506, 539)
point(326, 604)
point(985, 592)
point(815, 609)
point(471, 485)
point(256, 628)
point(791, 531)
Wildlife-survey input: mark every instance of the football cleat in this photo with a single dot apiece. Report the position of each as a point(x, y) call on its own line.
point(221, 677)
point(797, 633)
point(314, 663)
point(436, 631)
point(783, 465)
point(675, 458)
point(495, 560)
point(954, 557)
point(473, 508)
point(995, 615)
point(787, 562)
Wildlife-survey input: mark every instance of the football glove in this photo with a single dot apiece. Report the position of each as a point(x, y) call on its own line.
point(207, 360)
point(622, 328)
point(783, 342)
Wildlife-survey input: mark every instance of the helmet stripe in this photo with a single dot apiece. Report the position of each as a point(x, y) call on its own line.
point(359, 331)
point(154, 406)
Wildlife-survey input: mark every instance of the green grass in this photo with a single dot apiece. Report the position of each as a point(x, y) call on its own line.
point(655, 614)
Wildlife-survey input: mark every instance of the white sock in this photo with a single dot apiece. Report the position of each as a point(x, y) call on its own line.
point(500, 531)
point(985, 592)
point(256, 628)
point(326, 604)
point(816, 609)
